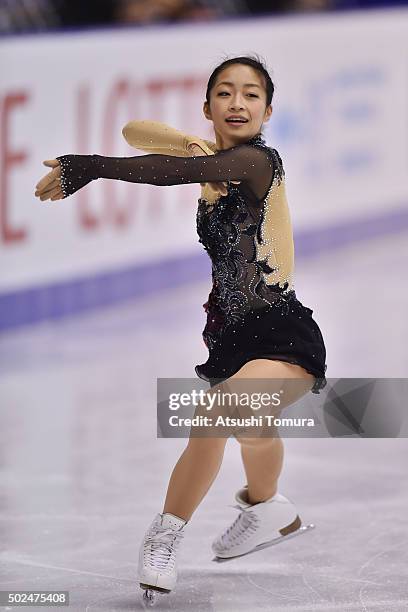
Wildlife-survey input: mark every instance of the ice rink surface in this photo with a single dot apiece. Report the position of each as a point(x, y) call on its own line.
point(83, 473)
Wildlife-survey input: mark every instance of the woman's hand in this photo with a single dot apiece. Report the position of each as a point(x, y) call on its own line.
point(221, 187)
point(49, 187)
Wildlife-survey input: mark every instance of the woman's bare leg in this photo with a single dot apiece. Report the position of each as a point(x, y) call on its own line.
point(193, 475)
point(263, 457)
point(262, 464)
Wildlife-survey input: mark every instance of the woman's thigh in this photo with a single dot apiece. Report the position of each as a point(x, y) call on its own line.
point(285, 382)
point(272, 373)
point(260, 387)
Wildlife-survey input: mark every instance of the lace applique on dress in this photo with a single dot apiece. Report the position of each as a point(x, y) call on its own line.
point(252, 268)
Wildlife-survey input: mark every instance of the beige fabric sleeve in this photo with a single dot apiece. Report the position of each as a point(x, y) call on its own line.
point(162, 139)
point(157, 137)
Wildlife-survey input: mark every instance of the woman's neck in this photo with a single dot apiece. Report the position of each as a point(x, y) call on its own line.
point(223, 143)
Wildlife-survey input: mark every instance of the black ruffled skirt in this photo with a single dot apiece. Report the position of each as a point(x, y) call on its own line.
point(286, 332)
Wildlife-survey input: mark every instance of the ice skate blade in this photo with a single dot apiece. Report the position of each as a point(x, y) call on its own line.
point(151, 592)
point(299, 531)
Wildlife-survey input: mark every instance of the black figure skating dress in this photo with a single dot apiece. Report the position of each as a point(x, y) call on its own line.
point(252, 309)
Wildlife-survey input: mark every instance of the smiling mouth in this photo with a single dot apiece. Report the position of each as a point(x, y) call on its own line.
point(235, 122)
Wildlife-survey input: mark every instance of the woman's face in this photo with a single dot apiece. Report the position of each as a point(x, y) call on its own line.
point(238, 90)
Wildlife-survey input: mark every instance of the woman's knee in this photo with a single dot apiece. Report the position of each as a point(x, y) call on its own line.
point(207, 445)
point(258, 443)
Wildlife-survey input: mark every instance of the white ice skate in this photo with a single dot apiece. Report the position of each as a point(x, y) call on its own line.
point(258, 526)
point(157, 570)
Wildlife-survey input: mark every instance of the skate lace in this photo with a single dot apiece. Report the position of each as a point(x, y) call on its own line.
point(160, 546)
point(245, 523)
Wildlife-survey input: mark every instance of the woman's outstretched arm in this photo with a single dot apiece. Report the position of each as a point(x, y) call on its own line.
point(240, 163)
point(151, 137)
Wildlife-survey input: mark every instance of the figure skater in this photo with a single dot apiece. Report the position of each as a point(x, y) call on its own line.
point(256, 327)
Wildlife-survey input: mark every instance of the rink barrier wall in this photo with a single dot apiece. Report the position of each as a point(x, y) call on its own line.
point(57, 300)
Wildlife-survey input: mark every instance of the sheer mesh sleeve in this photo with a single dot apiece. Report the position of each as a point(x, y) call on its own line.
point(245, 163)
point(157, 137)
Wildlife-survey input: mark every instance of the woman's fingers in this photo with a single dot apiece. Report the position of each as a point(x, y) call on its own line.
point(52, 163)
point(45, 181)
point(48, 179)
point(52, 185)
point(55, 173)
point(52, 194)
point(59, 196)
point(46, 188)
point(55, 195)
